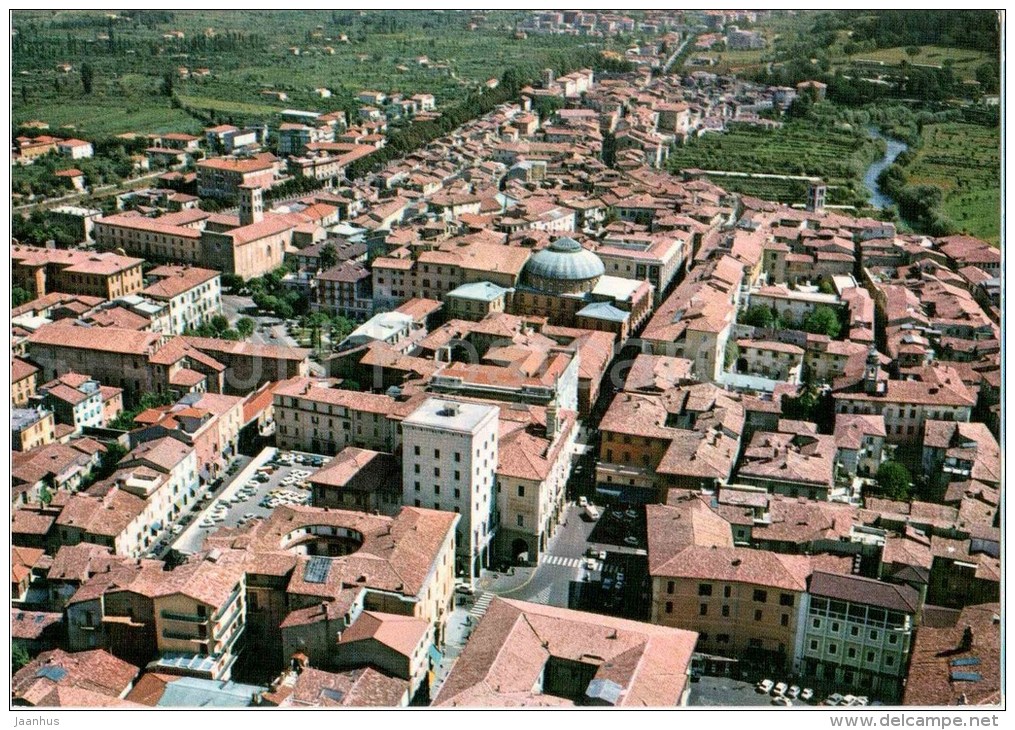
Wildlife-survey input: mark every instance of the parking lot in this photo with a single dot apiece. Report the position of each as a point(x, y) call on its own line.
point(255, 492)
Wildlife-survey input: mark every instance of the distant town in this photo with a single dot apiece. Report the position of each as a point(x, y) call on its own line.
point(484, 399)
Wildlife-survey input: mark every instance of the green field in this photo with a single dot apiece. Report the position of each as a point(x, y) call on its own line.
point(837, 155)
point(963, 61)
point(246, 53)
point(964, 160)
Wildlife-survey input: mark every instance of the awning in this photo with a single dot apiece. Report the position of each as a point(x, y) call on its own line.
point(435, 656)
point(157, 525)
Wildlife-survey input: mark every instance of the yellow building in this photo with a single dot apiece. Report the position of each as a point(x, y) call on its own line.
point(31, 427)
point(23, 382)
point(199, 623)
point(743, 603)
point(106, 275)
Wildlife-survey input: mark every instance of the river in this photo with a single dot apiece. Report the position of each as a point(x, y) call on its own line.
point(870, 179)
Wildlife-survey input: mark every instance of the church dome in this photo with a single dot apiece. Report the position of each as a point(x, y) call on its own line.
point(564, 266)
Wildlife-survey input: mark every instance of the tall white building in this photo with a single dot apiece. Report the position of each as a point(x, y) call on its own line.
point(449, 460)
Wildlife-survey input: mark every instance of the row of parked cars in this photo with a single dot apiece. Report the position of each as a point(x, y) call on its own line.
point(783, 694)
point(838, 700)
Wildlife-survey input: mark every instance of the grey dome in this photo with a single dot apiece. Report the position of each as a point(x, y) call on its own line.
point(565, 260)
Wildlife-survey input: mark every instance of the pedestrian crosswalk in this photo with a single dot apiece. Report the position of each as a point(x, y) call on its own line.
point(482, 603)
point(548, 559)
point(561, 560)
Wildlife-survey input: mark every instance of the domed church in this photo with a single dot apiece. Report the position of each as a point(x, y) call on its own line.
point(564, 267)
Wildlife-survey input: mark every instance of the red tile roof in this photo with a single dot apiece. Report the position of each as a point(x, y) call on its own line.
point(505, 658)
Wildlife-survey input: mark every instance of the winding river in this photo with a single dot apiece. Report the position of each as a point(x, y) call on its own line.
point(870, 179)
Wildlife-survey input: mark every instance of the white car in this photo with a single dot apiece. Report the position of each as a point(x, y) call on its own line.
point(583, 501)
point(779, 689)
point(807, 694)
point(765, 686)
point(176, 529)
point(782, 701)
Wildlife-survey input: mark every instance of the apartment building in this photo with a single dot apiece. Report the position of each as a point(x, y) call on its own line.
point(105, 275)
point(316, 416)
point(857, 632)
point(152, 238)
point(81, 401)
point(449, 462)
point(193, 295)
point(31, 428)
point(23, 381)
point(742, 602)
point(935, 393)
point(688, 437)
point(536, 446)
point(199, 619)
point(222, 177)
point(344, 290)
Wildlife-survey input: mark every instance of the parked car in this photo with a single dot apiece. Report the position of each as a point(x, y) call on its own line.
point(861, 701)
point(780, 700)
point(631, 540)
point(833, 700)
point(848, 701)
point(793, 692)
point(807, 694)
point(465, 589)
point(779, 689)
point(765, 686)
point(583, 502)
point(602, 555)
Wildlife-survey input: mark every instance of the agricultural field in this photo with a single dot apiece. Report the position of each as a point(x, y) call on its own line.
point(246, 53)
point(964, 61)
point(839, 156)
point(964, 161)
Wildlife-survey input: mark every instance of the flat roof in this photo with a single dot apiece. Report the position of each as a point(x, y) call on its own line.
point(450, 415)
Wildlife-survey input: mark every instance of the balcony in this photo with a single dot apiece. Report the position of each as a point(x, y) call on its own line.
point(170, 634)
point(188, 617)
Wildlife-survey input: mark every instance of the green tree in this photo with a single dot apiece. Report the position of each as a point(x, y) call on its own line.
point(167, 83)
point(232, 282)
point(245, 326)
point(893, 480)
point(822, 321)
point(759, 316)
point(328, 256)
point(19, 296)
point(19, 657)
point(87, 77)
point(913, 51)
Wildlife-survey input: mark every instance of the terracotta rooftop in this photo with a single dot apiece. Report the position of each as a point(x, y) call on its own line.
point(868, 591)
point(504, 661)
point(939, 653)
point(96, 671)
point(402, 634)
point(354, 688)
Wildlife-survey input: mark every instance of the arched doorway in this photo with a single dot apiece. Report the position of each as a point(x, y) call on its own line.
point(519, 550)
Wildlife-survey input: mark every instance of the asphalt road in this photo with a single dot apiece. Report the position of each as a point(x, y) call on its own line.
point(560, 564)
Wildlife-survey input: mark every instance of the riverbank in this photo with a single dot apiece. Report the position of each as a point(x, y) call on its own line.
point(894, 148)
